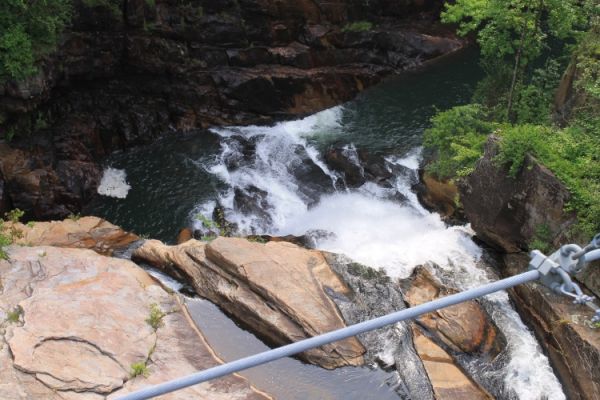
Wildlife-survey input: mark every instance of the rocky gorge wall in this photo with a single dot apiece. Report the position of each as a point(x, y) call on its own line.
point(506, 213)
point(129, 71)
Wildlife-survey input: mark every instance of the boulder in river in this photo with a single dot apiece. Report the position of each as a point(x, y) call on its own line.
point(464, 327)
point(278, 290)
point(78, 325)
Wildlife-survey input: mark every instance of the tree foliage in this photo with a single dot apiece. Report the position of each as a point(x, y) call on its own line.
point(514, 33)
point(29, 29)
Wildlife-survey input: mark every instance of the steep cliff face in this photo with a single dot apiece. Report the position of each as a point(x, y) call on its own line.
point(128, 71)
point(509, 212)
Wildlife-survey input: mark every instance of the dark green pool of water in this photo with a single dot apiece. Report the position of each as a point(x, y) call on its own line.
point(168, 180)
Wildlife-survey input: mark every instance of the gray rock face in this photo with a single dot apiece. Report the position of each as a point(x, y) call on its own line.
point(78, 323)
point(507, 212)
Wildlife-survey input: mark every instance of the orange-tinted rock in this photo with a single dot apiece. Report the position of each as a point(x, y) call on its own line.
point(83, 325)
point(447, 380)
point(277, 289)
point(464, 327)
point(85, 233)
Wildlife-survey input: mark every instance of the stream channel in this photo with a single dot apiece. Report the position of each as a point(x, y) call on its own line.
point(274, 180)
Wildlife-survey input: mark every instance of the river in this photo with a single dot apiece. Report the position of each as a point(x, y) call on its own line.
point(274, 180)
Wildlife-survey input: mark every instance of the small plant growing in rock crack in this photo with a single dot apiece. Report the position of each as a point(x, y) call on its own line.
point(257, 239)
point(155, 320)
point(74, 217)
point(30, 224)
point(8, 235)
point(14, 316)
point(139, 368)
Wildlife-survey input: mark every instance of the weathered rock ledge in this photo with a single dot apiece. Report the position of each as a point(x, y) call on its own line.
point(508, 214)
point(74, 323)
point(277, 289)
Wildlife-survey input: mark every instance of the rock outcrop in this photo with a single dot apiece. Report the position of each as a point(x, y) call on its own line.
point(425, 369)
point(441, 196)
point(84, 233)
point(75, 323)
point(447, 380)
point(127, 72)
point(511, 215)
point(464, 327)
point(278, 290)
point(571, 344)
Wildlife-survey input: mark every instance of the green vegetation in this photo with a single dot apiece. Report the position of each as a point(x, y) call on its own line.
point(541, 239)
point(74, 217)
point(155, 319)
point(29, 30)
point(368, 273)
point(9, 234)
point(139, 369)
point(14, 316)
point(515, 100)
point(358, 26)
point(458, 136)
point(512, 35)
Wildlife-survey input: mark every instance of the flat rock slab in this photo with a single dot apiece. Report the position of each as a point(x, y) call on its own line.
point(85, 233)
point(447, 380)
point(276, 289)
point(84, 322)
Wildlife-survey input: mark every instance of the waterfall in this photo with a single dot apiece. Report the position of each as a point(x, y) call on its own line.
point(278, 183)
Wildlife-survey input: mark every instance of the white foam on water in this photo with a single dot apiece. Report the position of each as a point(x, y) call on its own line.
point(382, 233)
point(367, 226)
point(114, 183)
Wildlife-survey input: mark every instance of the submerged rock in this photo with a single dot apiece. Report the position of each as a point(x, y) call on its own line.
point(278, 290)
point(80, 322)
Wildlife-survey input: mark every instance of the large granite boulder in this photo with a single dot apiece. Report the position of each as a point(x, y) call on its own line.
point(278, 289)
point(75, 323)
point(464, 327)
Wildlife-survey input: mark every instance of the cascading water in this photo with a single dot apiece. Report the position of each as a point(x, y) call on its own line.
point(275, 180)
point(382, 226)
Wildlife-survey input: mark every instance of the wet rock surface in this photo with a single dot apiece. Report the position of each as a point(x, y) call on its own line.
point(127, 72)
point(464, 327)
point(278, 290)
point(82, 322)
point(425, 370)
point(448, 381)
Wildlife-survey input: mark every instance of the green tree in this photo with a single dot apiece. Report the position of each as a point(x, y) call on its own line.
point(29, 29)
point(515, 32)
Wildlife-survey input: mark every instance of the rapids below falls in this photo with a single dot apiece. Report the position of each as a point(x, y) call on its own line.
point(158, 189)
